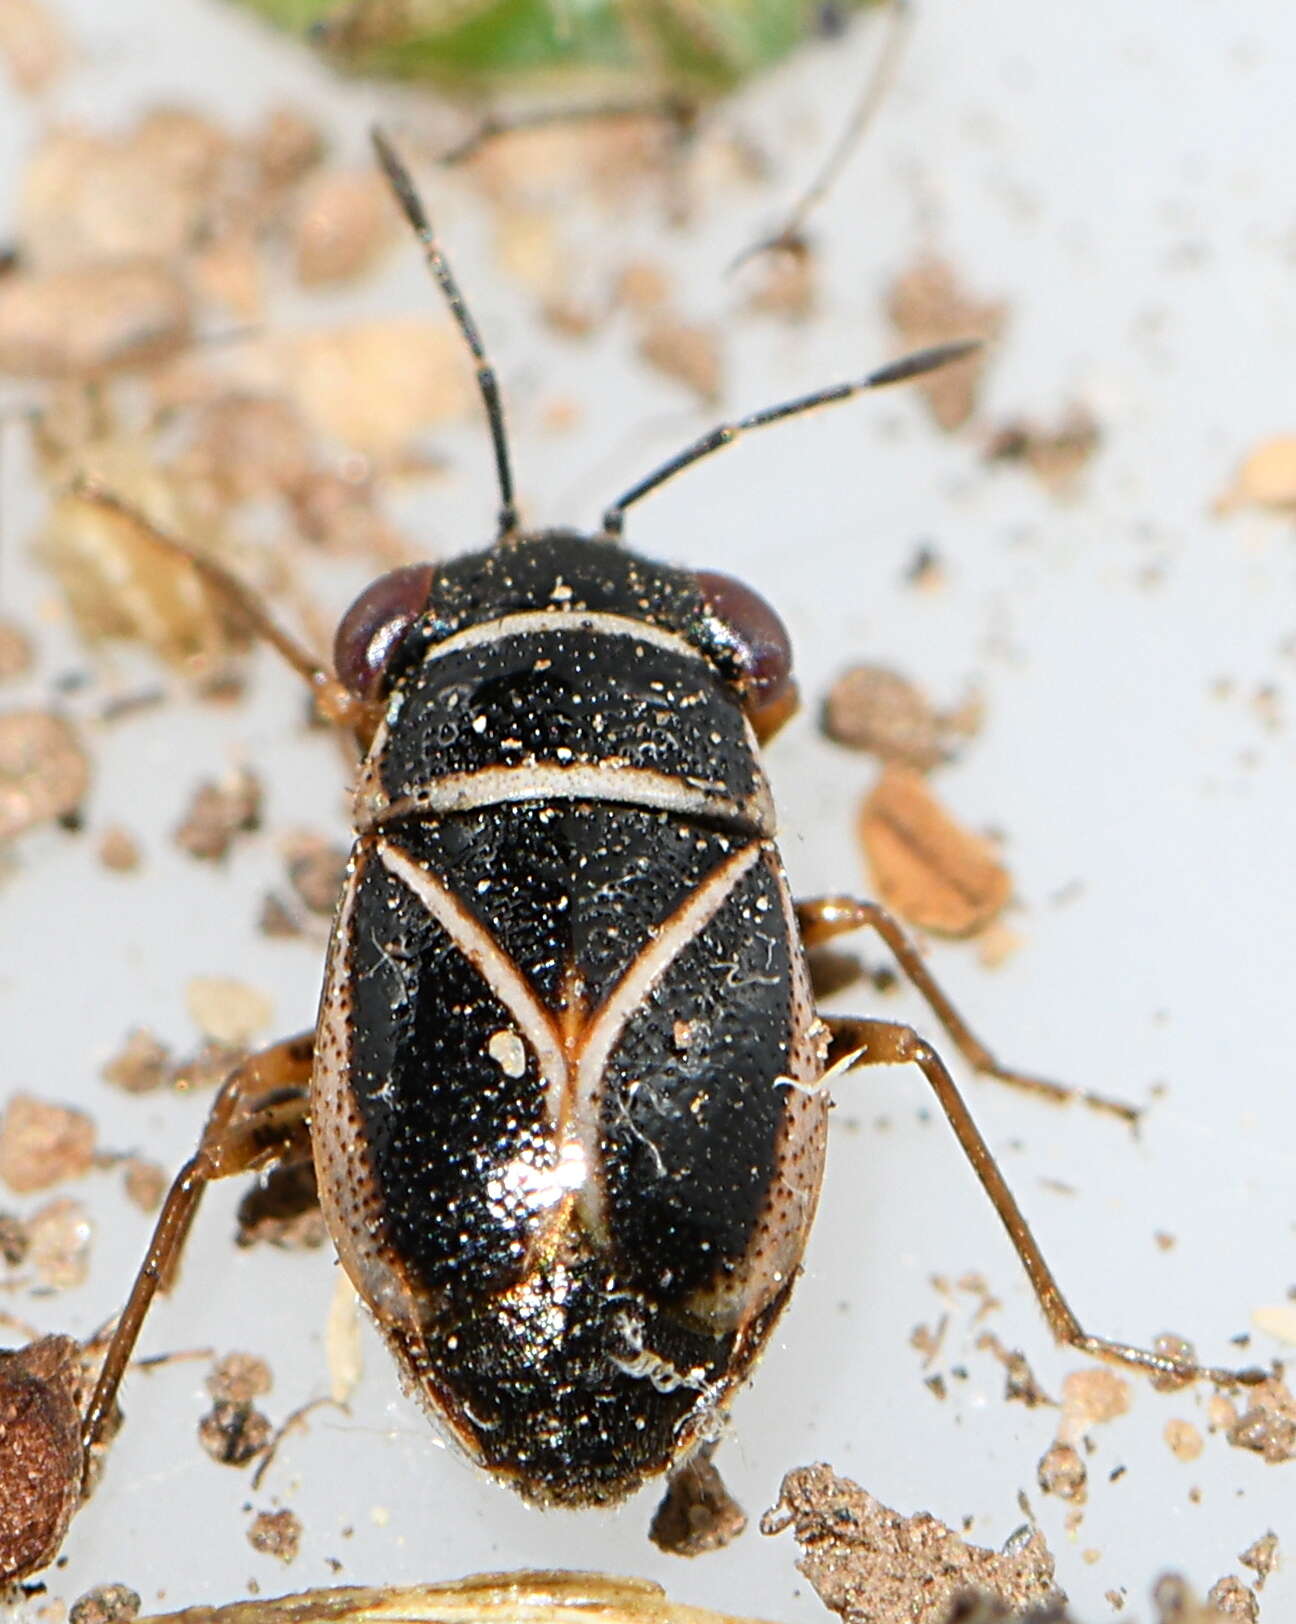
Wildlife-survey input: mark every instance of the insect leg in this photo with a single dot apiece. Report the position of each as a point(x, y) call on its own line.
point(259, 1117)
point(860, 1042)
point(334, 702)
point(822, 918)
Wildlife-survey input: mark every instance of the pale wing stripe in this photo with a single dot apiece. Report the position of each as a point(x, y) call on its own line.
point(633, 786)
point(528, 621)
point(600, 1037)
point(494, 966)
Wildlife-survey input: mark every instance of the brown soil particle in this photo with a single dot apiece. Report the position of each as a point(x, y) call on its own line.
point(316, 869)
point(140, 1065)
point(33, 45)
point(1056, 456)
point(118, 851)
point(43, 1144)
point(1062, 1472)
point(276, 1533)
point(1268, 1425)
point(238, 1378)
point(875, 709)
point(60, 1234)
point(14, 1239)
point(233, 1434)
point(697, 1512)
point(1261, 1557)
point(872, 1566)
point(145, 1183)
point(1021, 1383)
point(217, 813)
point(927, 305)
point(1183, 1440)
point(85, 322)
point(44, 772)
point(1089, 1398)
point(105, 1604)
point(227, 1011)
point(345, 222)
point(1266, 477)
point(15, 651)
point(926, 867)
point(687, 353)
point(40, 1451)
point(1232, 1600)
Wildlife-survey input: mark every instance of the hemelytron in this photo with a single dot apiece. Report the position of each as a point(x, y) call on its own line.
point(566, 1092)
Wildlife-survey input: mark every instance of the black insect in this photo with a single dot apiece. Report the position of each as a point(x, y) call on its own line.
point(566, 1096)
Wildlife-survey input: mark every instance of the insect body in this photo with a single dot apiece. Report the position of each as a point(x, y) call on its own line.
point(694, 49)
point(566, 995)
point(566, 1093)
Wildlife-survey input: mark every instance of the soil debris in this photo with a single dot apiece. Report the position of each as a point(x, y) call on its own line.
point(234, 1434)
point(14, 1239)
point(40, 1451)
point(217, 813)
point(43, 1144)
point(872, 1566)
point(227, 1011)
point(118, 850)
point(345, 223)
point(1021, 1383)
point(1233, 1600)
point(145, 1183)
point(88, 322)
point(1056, 456)
point(697, 1512)
point(60, 1234)
point(874, 709)
point(33, 46)
point(106, 1604)
point(16, 652)
point(1268, 1425)
point(687, 353)
point(1089, 1398)
point(44, 772)
point(316, 869)
point(276, 1533)
point(1261, 1557)
point(1062, 1472)
point(1266, 478)
point(140, 1065)
point(238, 1378)
point(926, 867)
point(1184, 1440)
point(927, 305)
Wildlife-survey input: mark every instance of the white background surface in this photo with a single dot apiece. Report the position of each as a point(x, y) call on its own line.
point(1122, 178)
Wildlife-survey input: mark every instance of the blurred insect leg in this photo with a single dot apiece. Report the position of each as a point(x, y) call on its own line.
point(334, 702)
point(860, 1042)
point(259, 1117)
point(679, 115)
point(789, 237)
point(823, 918)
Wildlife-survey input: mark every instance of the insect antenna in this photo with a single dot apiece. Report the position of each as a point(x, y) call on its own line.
point(412, 207)
point(909, 366)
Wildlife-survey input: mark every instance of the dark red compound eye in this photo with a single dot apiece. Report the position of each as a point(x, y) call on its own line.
point(370, 634)
point(751, 636)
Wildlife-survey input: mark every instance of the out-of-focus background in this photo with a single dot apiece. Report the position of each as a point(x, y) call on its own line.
point(1087, 569)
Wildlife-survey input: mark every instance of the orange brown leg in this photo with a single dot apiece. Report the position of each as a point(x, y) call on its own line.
point(823, 918)
point(860, 1042)
point(258, 1118)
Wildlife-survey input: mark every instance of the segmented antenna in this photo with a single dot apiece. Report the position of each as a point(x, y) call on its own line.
point(909, 366)
point(412, 207)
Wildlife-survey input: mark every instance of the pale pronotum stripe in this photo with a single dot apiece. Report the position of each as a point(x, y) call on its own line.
point(626, 786)
point(527, 621)
point(627, 996)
